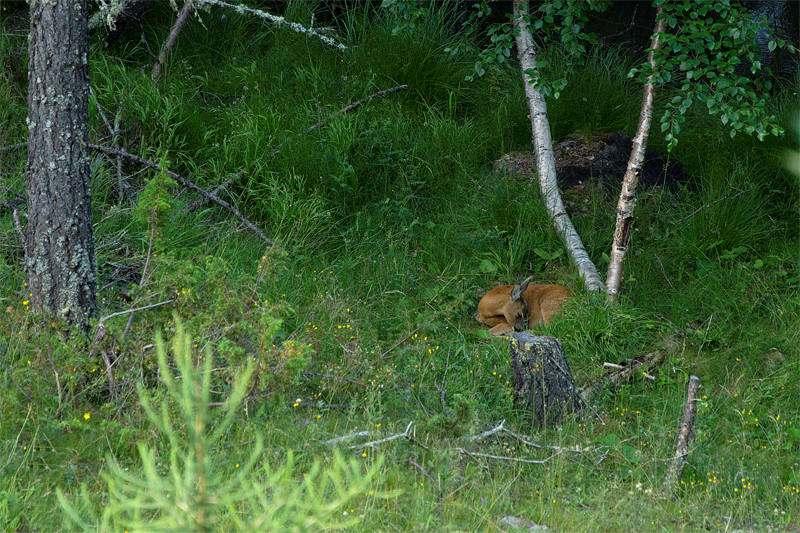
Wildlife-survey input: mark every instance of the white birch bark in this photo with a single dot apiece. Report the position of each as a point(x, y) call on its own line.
point(545, 160)
point(627, 196)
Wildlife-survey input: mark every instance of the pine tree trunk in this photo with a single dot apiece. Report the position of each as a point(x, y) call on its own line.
point(59, 247)
point(545, 160)
point(627, 196)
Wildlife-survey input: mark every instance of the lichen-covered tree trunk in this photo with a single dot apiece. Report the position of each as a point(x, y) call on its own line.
point(545, 160)
point(627, 196)
point(59, 247)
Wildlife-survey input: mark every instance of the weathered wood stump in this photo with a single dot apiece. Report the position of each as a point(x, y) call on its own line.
point(542, 378)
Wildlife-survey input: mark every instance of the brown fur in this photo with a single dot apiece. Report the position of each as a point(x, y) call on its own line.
point(505, 308)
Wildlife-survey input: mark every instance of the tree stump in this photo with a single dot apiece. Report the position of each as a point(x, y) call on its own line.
point(542, 378)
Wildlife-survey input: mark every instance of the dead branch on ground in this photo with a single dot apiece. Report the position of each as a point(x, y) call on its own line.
point(186, 183)
point(344, 110)
point(180, 22)
point(622, 374)
point(219, 188)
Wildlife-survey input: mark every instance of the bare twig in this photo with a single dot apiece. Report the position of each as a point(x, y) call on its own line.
point(355, 105)
point(215, 191)
point(13, 147)
point(441, 389)
point(20, 197)
point(183, 16)
point(422, 469)
point(684, 438)
point(387, 439)
point(693, 213)
point(345, 110)
point(700, 349)
point(501, 458)
point(102, 320)
point(277, 20)
point(109, 373)
point(620, 367)
point(522, 439)
point(663, 272)
point(125, 188)
point(112, 243)
point(345, 438)
point(622, 374)
point(398, 343)
point(186, 183)
point(144, 273)
point(486, 433)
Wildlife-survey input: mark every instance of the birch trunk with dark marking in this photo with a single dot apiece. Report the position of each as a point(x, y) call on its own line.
point(59, 247)
point(627, 196)
point(545, 160)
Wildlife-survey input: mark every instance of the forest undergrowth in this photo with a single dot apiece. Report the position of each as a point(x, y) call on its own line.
point(388, 226)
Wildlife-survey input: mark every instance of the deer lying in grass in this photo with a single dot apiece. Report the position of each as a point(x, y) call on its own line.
point(505, 308)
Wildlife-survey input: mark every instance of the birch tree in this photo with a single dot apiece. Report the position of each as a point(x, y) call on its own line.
point(627, 198)
point(703, 46)
point(543, 147)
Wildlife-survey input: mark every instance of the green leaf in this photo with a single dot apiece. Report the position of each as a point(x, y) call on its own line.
point(772, 45)
point(487, 266)
point(483, 334)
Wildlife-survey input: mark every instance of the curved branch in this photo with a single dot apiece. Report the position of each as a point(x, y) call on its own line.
point(186, 183)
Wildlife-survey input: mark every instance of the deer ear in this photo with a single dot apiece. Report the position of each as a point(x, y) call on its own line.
point(516, 292)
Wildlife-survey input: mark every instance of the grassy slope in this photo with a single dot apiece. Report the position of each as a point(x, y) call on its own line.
point(390, 220)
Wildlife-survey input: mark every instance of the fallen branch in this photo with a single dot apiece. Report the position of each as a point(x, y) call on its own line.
point(346, 438)
point(186, 183)
point(612, 365)
point(684, 437)
point(215, 191)
point(502, 458)
point(486, 433)
point(422, 469)
point(125, 188)
point(102, 320)
point(355, 105)
point(398, 343)
point(109, 373)
point(276, 20)
point(623, 374)
point(13, 147)
point(343, 111)
point(387, 439)
point(502, 429)
point(112, 243)
point(180, 22)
